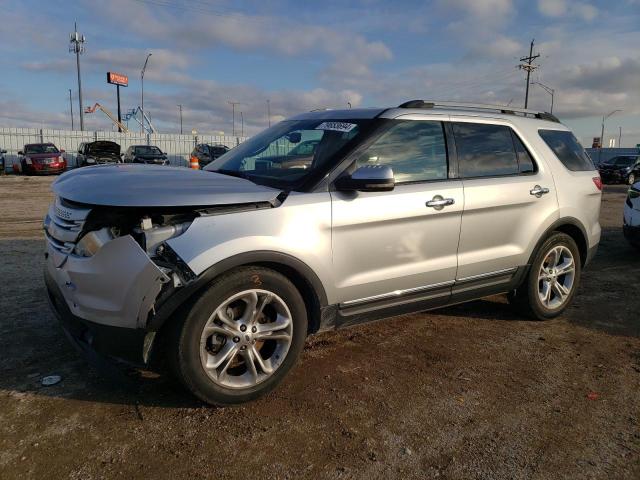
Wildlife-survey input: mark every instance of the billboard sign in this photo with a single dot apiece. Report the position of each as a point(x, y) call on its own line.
point(117, 79)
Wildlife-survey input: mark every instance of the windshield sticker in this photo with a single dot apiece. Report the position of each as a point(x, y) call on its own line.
point(337, 126)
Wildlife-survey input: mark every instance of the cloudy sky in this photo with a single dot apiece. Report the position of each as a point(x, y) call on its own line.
point(306, 55)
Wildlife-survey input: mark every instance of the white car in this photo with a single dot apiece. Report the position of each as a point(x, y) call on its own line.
point(631, 225)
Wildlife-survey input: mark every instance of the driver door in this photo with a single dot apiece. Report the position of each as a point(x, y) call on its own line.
point(390, 246)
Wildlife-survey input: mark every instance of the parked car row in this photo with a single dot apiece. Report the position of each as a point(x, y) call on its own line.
point(621, 169)
point(46, 158)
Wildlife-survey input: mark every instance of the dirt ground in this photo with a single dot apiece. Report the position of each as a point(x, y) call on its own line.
point(473, 391)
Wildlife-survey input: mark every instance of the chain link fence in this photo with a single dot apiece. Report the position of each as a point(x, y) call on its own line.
point(177, 147)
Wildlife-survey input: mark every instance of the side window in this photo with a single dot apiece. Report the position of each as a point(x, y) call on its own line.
point(415, 150)
point(484, 150)
point(525, 162)
point(567, 149)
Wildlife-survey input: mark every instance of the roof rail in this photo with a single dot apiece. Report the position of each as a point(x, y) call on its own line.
point(507, 110)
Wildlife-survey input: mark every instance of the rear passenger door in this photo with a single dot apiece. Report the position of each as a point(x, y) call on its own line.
point(508, 195)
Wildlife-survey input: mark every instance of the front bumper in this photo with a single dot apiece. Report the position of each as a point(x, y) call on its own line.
point(104, 301)
point(46, 170)
point(100, 344)
point(117, 286)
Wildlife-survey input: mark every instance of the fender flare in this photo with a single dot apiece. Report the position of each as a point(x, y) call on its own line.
point(248, 258)
point(554, 226)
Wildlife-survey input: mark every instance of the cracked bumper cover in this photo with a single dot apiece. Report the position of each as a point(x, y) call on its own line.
point(103, 302)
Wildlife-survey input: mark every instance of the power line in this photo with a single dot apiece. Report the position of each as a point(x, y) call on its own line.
point(528, 67)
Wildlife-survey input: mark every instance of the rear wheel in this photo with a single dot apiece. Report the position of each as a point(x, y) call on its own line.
point(552, 280)
point(241, 337)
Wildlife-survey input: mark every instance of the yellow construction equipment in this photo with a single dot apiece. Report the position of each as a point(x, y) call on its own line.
point(118, 124)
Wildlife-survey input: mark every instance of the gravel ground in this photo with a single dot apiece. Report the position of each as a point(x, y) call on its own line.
point(472, 391)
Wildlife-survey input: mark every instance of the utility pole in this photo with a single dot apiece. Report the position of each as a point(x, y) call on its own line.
point(604, 118)
point(547, 89)
point(620, 137)
point(233, 110)
point(180, 108)
point(76, 45)
point(71, 108)
point(144, 67)
point(528, 66)
point(268, 112)
point(241, 125)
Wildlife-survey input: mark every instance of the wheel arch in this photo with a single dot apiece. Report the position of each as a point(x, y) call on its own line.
point(299, 273)
point(572, 227)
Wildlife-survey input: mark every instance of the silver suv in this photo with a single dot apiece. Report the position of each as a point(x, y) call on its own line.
point(223, 272)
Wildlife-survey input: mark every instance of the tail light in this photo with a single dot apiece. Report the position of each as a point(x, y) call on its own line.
point(598, 182)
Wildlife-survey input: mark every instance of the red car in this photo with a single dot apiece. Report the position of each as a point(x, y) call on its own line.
point(41, 158)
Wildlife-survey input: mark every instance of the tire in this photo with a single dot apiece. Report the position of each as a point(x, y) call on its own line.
point(631, 179)
point(277, 335)
point(527, 298)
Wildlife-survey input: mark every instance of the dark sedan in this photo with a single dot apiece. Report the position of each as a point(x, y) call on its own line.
point(41, 159)
point(145, 154)
point(619, 169)
point(207, 153)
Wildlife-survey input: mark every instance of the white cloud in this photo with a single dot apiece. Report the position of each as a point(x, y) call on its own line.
point(585, 11)
point(563, 8)
point(243, 32)
point(483, 8)
point(552, 8)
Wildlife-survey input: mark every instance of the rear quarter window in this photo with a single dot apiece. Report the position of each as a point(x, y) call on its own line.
point(568, 150)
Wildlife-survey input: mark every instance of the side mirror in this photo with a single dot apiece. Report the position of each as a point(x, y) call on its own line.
point(3, 151)
point(20, 152)
point(368, 178)
point(62, 150)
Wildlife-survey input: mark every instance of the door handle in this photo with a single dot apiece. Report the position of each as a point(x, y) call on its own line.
point(438, 202)
point(538, 191)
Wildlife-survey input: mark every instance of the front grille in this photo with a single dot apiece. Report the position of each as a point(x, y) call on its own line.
point(63, 224)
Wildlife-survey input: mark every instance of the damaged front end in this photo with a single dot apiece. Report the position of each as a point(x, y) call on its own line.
point(109, 269)
point(112, 278)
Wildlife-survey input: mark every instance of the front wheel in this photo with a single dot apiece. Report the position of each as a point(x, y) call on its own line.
point(241, 337)
point(552, 280)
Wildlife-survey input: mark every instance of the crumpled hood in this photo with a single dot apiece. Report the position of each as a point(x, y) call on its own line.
point(131, 185)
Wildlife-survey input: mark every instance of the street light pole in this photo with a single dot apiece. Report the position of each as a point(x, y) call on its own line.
point(180, 108)
point(241, 125)
point(269, 112)
point(604, 117)
point(144, 67)
point(547, 89)
point(233, 110)
point(620, 137)
point(71, 107)
point(77, 46)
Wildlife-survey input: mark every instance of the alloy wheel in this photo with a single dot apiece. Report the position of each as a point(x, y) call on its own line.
point(246, 339)
point(556, 277)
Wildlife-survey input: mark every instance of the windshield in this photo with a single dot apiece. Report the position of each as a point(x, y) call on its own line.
point(41, 148)
point(622, 161)
point(147, 150)
point(289, 152)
